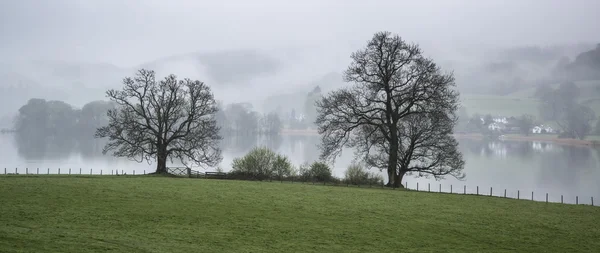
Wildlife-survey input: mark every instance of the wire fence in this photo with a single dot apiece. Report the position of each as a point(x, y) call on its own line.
point(502, 193)
point(184, 172)
point(70, 171)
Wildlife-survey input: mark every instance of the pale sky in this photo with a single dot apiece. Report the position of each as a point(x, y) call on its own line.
point(129, 32)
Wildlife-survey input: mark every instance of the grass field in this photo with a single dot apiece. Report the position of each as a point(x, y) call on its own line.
point(157, 214)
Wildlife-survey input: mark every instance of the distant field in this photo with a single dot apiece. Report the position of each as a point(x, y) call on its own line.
point(499, 105)
point(156, 214)
point(523, 101)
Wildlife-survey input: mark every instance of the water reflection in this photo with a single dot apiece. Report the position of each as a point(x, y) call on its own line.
point(32, 147)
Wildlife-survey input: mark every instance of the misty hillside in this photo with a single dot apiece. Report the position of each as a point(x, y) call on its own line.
point(296, 99)
point(16, 89)
point(282, 77)
point(507, 70)
point(222, 67)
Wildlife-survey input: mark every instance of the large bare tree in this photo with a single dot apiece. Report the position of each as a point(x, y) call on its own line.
point(162, 120)
point(398, 114)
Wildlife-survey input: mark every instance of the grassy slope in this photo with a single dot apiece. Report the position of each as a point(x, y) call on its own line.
point(151, 214)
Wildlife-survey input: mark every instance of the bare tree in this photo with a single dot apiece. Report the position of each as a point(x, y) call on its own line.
point(398, 114)
point(162, 120)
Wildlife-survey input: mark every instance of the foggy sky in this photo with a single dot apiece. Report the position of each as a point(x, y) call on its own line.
point(129, 32)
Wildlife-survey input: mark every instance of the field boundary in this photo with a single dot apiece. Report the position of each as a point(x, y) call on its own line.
point(183, 173)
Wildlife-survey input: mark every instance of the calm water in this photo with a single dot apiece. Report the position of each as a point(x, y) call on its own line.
point(515, 166)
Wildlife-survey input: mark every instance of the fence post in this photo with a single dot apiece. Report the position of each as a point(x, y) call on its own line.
point(26, 171)
point(490, 191)
point(134, 173)
point(69, 171)
point(440, 187)
point(478, 190)
point(592, 201)
point(90, 172)
point(48, 172)
point(518, 194)
point(532, 196)
point(428, 187)
point(465, 190)
point(561, 199)
point(144, 172)
point(59, 171)
point(505, 193)
point(576, 200)
point(100, 172)
point(4, 171)
point(16, 171)
point(37, 171)
point(122, 172)
point(417, 186)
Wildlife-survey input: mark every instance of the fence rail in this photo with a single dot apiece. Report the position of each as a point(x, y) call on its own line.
point(187, 172)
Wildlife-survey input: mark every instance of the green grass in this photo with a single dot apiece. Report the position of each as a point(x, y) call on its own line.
point(156, 214)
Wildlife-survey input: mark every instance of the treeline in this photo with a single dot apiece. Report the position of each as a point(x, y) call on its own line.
point(561, 105)
point(241, 119)
point(42, 118)
point(262, 163)
point(52, 118)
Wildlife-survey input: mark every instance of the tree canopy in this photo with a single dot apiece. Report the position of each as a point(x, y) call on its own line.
point(163, 120)
point(398, 113)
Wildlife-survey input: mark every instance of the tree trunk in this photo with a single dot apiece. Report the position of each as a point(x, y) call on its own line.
point(393, 160)
point(398, 178)
point(161, 165)
point(390, 178)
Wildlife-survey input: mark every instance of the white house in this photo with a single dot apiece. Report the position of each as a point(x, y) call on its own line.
point(502, 120)
point(495, 126)
point(542, 129)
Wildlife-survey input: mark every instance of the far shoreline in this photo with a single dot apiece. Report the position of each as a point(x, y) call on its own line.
point(508, 137)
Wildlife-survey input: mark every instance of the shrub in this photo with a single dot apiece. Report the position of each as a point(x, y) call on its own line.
point(261, 163)
point(358, 175)
point(304, 172)
point(257, 164)
point(282, 168)
point(320, 172)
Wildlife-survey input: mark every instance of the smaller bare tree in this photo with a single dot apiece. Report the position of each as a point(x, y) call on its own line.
point(162, 120)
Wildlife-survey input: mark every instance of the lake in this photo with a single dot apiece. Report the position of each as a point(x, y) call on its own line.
point(520, 166)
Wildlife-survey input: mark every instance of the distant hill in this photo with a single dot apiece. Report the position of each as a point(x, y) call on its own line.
point(223, 67)
point(16, 89)
point(502, 71)
point(296, 99)
point(586, 66)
